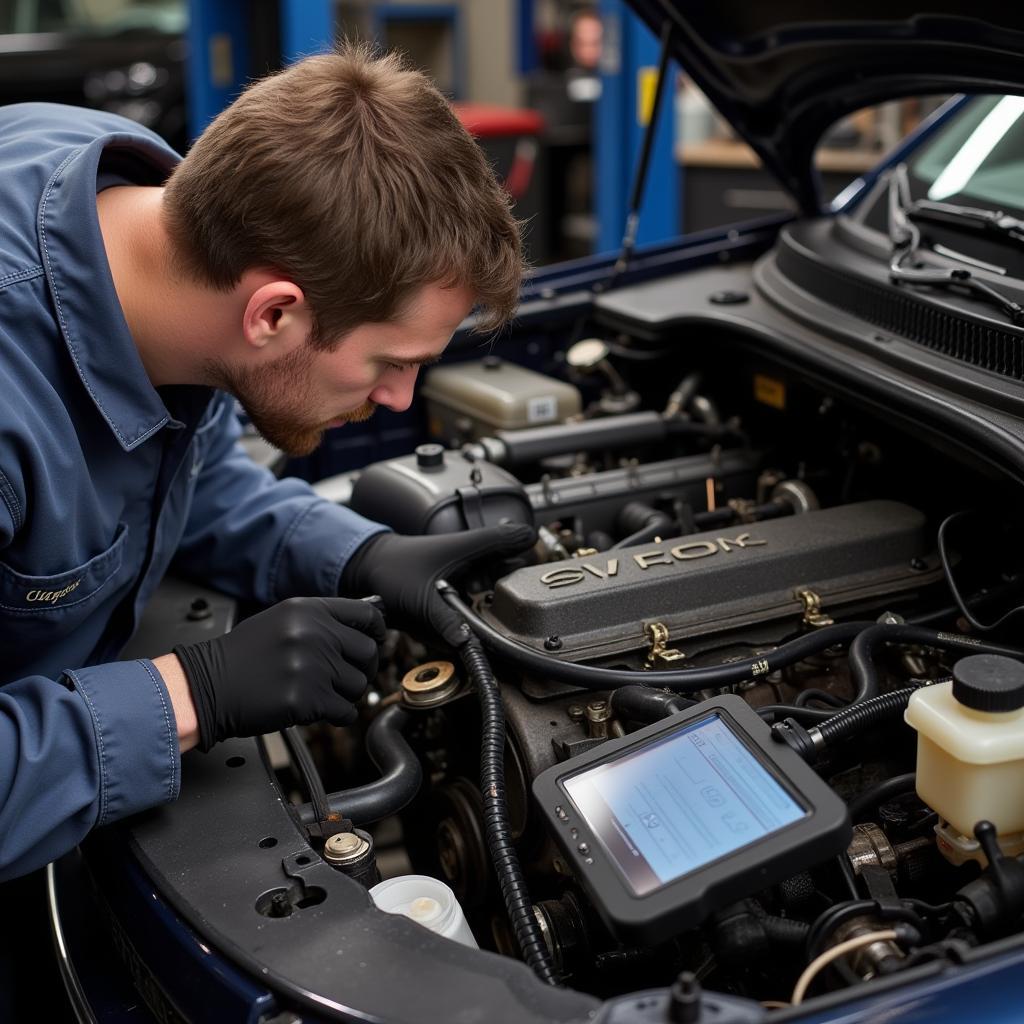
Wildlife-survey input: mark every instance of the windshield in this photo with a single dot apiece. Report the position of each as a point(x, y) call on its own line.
point(92, 17)
point(977, 158)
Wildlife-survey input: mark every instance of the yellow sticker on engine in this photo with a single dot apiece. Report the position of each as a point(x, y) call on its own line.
point(770, 391)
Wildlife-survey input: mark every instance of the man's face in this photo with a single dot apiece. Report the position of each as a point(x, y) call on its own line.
point(585, 41)
point(293, 399)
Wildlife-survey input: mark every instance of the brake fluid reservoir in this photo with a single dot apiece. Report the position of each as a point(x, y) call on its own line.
point(970, 747)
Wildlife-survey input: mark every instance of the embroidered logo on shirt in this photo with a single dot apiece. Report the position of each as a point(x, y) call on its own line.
point(51, 596)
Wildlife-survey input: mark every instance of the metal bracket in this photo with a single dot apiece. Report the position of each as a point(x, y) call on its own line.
point(660, 653)
point(813, 615)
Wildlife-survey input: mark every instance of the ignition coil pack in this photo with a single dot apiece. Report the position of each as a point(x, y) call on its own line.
point(678, 819)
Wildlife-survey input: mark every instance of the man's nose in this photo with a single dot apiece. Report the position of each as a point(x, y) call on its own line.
point(396, 392)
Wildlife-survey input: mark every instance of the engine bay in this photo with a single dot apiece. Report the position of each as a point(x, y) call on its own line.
point(744, 534)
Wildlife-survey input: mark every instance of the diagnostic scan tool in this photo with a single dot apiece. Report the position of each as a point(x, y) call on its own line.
point(685, 816)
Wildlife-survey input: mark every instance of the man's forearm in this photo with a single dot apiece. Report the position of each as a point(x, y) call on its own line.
point(181, 700)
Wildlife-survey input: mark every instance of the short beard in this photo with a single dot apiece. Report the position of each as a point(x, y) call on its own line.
point(360, 414)
point(264, 393)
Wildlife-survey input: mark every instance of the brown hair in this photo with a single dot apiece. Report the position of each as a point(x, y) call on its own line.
point(350, 174)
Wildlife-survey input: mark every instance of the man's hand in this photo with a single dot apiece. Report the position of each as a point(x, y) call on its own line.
point(305, 660)
point(403, 571)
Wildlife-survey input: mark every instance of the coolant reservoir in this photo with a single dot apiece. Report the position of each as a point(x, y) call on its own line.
point(970, 748)
point(427, 901)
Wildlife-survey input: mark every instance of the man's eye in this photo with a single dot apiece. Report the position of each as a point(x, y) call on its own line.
point(400, 366)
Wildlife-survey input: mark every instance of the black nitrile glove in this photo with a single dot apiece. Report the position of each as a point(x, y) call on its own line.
point(304, 660)
point(403, 571)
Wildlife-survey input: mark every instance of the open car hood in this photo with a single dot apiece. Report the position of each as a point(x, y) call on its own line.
point(782, 73)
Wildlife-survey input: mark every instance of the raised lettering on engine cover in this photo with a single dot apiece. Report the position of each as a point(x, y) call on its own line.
point(713, 582)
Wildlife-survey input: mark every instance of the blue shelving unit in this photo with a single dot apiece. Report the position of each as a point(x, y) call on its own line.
point(218, 48)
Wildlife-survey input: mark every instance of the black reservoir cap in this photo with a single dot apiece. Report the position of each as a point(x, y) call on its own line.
point(429, 456)
point(989, 682)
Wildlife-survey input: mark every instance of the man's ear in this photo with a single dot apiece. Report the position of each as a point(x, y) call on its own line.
point(276, 317)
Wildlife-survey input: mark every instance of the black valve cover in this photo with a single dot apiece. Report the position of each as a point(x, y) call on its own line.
point(713, 582)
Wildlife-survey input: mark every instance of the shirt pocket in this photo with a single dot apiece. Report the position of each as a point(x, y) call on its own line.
point(49, 623)
point(65, 594)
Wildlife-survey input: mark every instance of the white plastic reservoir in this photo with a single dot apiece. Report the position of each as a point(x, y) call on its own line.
point(970, 748)
point(427, 901)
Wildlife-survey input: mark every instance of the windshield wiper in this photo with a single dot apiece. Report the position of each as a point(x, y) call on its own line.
point(995, 222)
point(905, 241)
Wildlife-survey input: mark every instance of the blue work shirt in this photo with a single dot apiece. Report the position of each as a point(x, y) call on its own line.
point(104, 480)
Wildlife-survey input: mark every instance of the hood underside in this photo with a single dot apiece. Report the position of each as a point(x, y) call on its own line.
point(782, 74)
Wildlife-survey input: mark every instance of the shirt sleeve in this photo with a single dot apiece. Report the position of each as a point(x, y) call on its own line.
point(251, 535)
point(86, 750)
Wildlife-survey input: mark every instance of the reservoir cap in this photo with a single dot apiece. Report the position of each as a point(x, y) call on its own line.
point(429, 456)
point(989, 682)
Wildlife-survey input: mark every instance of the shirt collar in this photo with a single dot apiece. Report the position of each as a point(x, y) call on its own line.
point(85, 301)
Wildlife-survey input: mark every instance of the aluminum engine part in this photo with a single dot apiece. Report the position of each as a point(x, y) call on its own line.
point(848, 557)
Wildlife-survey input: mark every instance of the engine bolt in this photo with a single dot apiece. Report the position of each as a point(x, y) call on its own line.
point(344, 847)
point(576, 712)
point(553, 643)
point(684, 999)
point(280, 905)
point(598, 715)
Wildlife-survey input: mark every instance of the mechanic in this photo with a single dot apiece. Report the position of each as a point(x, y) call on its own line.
point(322, 240)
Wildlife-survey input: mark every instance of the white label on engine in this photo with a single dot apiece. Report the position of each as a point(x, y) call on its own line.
point(541, 409)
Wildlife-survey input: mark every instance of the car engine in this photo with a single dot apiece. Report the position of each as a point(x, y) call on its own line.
point(749, 534)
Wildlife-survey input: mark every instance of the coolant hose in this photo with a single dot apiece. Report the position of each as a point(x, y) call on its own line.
point(496, 821)
point(642, 704)
point(885, 790)
point(858, 717)
point(810, 743)
point(590, 677)
point(641, 522)
point(866, 645)
point(786, 931)
point(401, 775)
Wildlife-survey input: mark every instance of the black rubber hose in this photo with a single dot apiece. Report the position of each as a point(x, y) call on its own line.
point(303, 762)
point(590, 677)
point(663, 527)
point(642, 704)
point(841, 725)
point(858, 717)
point(823, 696)
point(642, 523)
point(786, 931)
point(866, 645)
point(496, 821)
point(400, 780)
point(885, 790)
point(775, 712)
